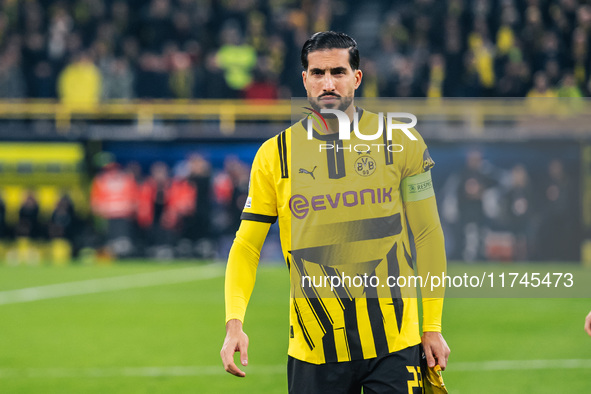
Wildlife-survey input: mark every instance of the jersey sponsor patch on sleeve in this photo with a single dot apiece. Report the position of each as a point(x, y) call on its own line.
point(428, 162)
point(417, 187)
point(248, 202)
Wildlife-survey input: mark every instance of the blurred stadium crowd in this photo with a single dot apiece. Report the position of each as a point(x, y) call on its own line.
point(119, 50)
point(250, 48)
point(186, 211)
point(518, 212)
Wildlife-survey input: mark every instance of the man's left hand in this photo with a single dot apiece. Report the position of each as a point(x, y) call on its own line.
point(435, 348)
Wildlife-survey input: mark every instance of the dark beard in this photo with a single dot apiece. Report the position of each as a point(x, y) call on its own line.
point(342, 104)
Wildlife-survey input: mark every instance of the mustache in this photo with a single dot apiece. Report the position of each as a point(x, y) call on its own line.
point(329, 94)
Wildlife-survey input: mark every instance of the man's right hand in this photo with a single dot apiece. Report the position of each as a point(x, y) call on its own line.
point(236, 341)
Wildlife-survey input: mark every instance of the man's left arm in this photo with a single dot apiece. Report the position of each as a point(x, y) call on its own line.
point(423, 219)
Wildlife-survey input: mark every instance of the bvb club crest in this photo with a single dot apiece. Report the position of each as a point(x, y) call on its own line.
point(365, 165)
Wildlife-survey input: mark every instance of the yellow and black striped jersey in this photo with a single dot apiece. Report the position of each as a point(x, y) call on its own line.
point(341, 214)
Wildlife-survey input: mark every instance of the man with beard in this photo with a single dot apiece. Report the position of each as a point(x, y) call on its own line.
point(342, 212)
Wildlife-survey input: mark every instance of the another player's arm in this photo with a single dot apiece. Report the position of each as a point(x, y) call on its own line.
point(423, 219)
point(240, 278)
point(588, 324)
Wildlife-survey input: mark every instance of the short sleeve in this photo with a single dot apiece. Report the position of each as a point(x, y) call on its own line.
point(261, 204)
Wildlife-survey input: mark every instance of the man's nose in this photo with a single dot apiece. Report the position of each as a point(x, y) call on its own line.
point(328, 83)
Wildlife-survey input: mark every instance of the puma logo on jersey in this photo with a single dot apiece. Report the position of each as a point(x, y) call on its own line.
point(311, 173)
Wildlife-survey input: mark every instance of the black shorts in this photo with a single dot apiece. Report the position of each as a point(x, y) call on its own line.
point(393, 373)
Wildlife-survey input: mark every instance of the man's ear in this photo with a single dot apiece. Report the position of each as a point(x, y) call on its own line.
point(304, 77)
point(358, 78)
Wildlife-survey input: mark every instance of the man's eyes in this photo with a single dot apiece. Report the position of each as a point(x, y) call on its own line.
point(336, 72)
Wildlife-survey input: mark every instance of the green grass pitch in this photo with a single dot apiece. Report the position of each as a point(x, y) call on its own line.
point(166, 337)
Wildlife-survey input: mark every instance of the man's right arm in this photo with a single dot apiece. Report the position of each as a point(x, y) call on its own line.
point(240, 278)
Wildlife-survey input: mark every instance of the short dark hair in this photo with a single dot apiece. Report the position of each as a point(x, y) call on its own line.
point(331, 40)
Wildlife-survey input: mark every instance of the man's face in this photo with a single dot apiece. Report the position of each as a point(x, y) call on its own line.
point(330, 81)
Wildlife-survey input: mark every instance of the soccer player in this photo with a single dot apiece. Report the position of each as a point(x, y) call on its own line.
point(342, 210)
point(588, 324)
